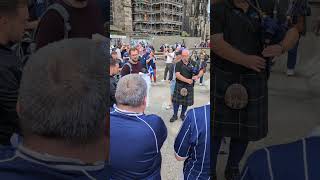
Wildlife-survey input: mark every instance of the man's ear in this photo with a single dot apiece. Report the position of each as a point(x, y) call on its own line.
point(145, 103)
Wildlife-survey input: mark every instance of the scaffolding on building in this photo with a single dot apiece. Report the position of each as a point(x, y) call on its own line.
point(157, 17)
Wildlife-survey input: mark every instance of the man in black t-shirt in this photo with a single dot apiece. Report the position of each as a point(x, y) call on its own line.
point(186, 74)
point(240, 97)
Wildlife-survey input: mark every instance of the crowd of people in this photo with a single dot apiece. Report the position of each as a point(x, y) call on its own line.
point(56, 101)
point(53, 91)
point(132, 70)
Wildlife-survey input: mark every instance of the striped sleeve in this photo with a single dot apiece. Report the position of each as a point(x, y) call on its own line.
point(246, 174)
point(182, 143)
point(257, 167)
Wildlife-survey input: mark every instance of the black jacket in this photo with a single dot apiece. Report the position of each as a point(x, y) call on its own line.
point(113, 87)
point(10, 76)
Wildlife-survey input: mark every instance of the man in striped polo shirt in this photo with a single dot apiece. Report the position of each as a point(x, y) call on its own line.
point(192, 144)
point(136, 138)
point(299, 160)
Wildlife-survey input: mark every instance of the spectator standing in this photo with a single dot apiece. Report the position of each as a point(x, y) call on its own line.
point(114, 70)
point(192, 144)
point(297, 12)
point(13, 19)
point(136, 138)
point(133, 66)
point(297, 160)
point(74, 19)
point(152, 68)
point(169, 64)
point(62, 117)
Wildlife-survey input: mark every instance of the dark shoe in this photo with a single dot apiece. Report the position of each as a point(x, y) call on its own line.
point(232, 174)
point(182, 117)
point(173, 118)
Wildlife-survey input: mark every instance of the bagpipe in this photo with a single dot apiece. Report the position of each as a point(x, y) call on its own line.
point(194, 70)
point(273, 30)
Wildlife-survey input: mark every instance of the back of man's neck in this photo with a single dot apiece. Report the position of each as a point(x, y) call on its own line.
point(86, 153)
point(130, 109)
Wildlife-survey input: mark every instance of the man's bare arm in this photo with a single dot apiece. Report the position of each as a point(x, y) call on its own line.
point(199, 75)
point(181, 78)
point(289, 41)
point(225, 50)
point(292, 36)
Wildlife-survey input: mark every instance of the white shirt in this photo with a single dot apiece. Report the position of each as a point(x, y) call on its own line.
point(170, 59)
point(118, 53)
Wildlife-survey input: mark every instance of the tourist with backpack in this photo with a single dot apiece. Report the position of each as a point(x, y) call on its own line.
point(24, 48)
point(69, 19)
point(133, 66)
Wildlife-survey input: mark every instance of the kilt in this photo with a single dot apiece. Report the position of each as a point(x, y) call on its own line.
point(183, 100)
point(249, 123)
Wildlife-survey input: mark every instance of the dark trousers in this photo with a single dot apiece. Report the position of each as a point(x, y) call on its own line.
point(169, 68)
point(176, 108)
point(236, 151)
point(292, 56)
point(201, 79)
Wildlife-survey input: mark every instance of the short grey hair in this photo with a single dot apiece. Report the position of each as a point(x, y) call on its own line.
point(63, 92)
point(131, 90)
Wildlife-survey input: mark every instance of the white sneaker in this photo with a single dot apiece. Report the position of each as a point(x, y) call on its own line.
point(163, 80)
point(168, 107)
point(200, 84)
point(290, 72)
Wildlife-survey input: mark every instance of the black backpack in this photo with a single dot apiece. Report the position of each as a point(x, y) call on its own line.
point(27, 46)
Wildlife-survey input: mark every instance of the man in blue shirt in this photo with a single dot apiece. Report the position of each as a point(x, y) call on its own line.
point(145, 58)
point(192, 144)
point(136, 138)
point(299, 160)
point(62, 117)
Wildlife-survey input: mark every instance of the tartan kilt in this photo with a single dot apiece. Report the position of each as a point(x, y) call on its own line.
point(249, 123)
point(183, 100)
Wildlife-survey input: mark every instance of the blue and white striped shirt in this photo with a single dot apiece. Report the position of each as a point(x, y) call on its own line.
point(299, 160)
point(193, 143)
point(135, 143)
